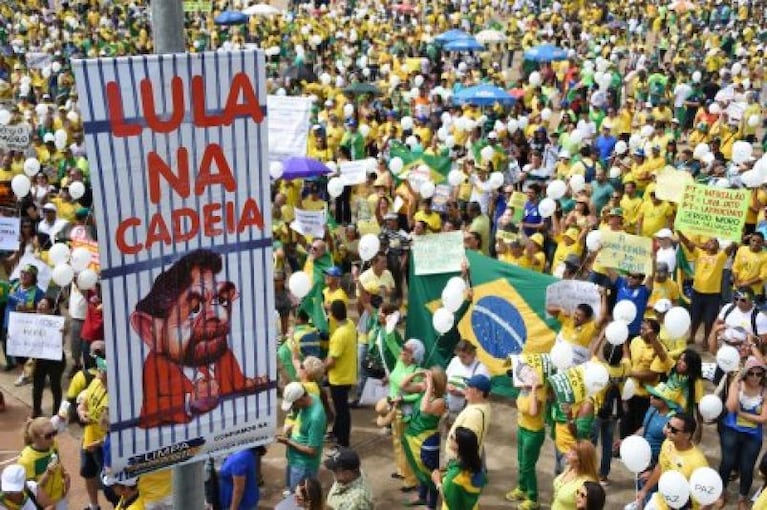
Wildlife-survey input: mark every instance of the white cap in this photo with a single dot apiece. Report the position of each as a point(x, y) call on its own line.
point(14, 478)
point(664, 233)
point(662, 305)
point(292, 392)
point(564, 153)
point(50, 207)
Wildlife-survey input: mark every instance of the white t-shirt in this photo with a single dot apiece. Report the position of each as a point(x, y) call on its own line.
point(737, 318)
point(457, 375)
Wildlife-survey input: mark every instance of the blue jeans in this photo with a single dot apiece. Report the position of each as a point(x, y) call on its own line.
point(745, 450)
point(297, 474)
point(605, 429)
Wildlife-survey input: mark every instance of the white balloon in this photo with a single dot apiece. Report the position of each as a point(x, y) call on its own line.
point(705, 485)
point(299, 284)
point(62, 275)
point(710, 407)
point(427, 189)
point(547, 207)
point(58, 254)
point(31, 166)
point(364, 130)
point(595, 377)
point(512, 126)
point(535, 79)
point(677, 322)
point(615, 172)
point(276, 169)
point(87, 279)
point(335, 187)
point(714, 109)
point(406, 123)
point(495, 180)
point(450, 142)
point(621, 147)
point(348, 110)
point(674, 488)
point(753, 121)
point(741, 151)
point(577, 183)
point(80, 258)
point(629, 389)
point(696, 76)
point(617, 332)
point(20, 184)
point(396, 164)
point(700, 150)
point(442, 134)
point(594, 240)
point(546, 114)
point(325, 79)
point(457, 283)
point(562, 355)
point(635, 453)
point(451, 299)
point(76, 190)
point(556, 189)
point(750, 178)
point(625, 311)
point(368, 246)
point(442, 320)
point(646, 131)
point(418, 80)
point(727, 358)
point(5, 117)
point(522, 122)
point(487, 153)
point(455, 177)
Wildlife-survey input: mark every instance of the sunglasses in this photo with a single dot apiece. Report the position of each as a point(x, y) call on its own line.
point(741, 299)
point(757, 373)
point(51, 434)
point(673, 429)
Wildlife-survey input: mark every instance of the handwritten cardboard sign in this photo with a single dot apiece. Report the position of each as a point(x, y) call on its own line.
point(33, 335)
point(309, 223)
point(438, 253)
point(568, 294)
point(15, 137)
point(712, 212)
point(626, 252)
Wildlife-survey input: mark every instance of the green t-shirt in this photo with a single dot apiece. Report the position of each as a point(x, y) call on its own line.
point(308, 429)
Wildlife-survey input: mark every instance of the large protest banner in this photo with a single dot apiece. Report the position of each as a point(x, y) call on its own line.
point(288, 126)
point(438, 253)
point(712, 212)
point(629, 253)
point(182, 205)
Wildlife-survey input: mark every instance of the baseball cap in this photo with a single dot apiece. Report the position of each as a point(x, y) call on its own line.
point(664, 233)
point(616, 211)
point(744, 292)
point(480, 382)
point(639, 152)
point(390, 216)
point(334, 271)
point(662, 305)
point(14, 478)
point(537, 239)
point(344, 458)
point(351, 123)
point(293, 391)
point(30, 268)
point(573, 261)
point(664, 392)
point(109, 480)
point(50, 207)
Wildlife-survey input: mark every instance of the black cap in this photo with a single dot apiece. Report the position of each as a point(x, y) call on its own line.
point(344, 458)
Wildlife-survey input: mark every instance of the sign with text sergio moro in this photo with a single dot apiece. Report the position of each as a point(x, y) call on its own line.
point(178, 148)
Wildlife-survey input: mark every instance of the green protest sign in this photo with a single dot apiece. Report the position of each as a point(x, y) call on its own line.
point(712, 212)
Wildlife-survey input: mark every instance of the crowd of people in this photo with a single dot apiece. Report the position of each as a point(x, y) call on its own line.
point(576, 142)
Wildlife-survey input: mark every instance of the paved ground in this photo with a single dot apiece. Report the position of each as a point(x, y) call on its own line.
point(374, 447)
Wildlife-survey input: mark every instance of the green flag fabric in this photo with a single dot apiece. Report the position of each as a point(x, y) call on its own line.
point(439, 165)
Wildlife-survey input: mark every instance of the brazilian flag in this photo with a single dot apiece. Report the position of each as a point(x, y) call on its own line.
point(312, 302)
point(439, 166)
point(506, 315)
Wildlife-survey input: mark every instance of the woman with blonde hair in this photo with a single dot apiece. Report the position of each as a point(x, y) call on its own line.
point(40, 459)
point(421, 438)
point(581, 467)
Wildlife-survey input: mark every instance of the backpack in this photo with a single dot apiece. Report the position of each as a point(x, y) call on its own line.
point(754, 315)
point(212, 495)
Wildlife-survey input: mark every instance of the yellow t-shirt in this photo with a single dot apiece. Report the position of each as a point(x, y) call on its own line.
point(328, 296)
point(35, 464)
point(643, 357)
point(535, 263)
point(524, 419)
point(654, 217)
point(708, 271)
point(97, 402)
point(631, 207)
point(748, 265)
point(156, 486)
point(343, 347)
point(561, 253)
point(667, 289)
point(671, 459)
point(308, 204)
point(372, 283)
point(578, 335)
point(433, 221)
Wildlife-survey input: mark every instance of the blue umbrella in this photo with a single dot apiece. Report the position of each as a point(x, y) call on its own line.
point(466, 44)
point(231, 18)
point(301, 168)
point(545, 53)
point(483, 95)
point(451, 35)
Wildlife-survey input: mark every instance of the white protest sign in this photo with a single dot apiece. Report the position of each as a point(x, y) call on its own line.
point(9, 233)
point(38, 59)
point(310, 223)
point(34, 335)
point(355, 172)
point(438, 253)
point(288, 124)
point(568, 294)
point(15, 137)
